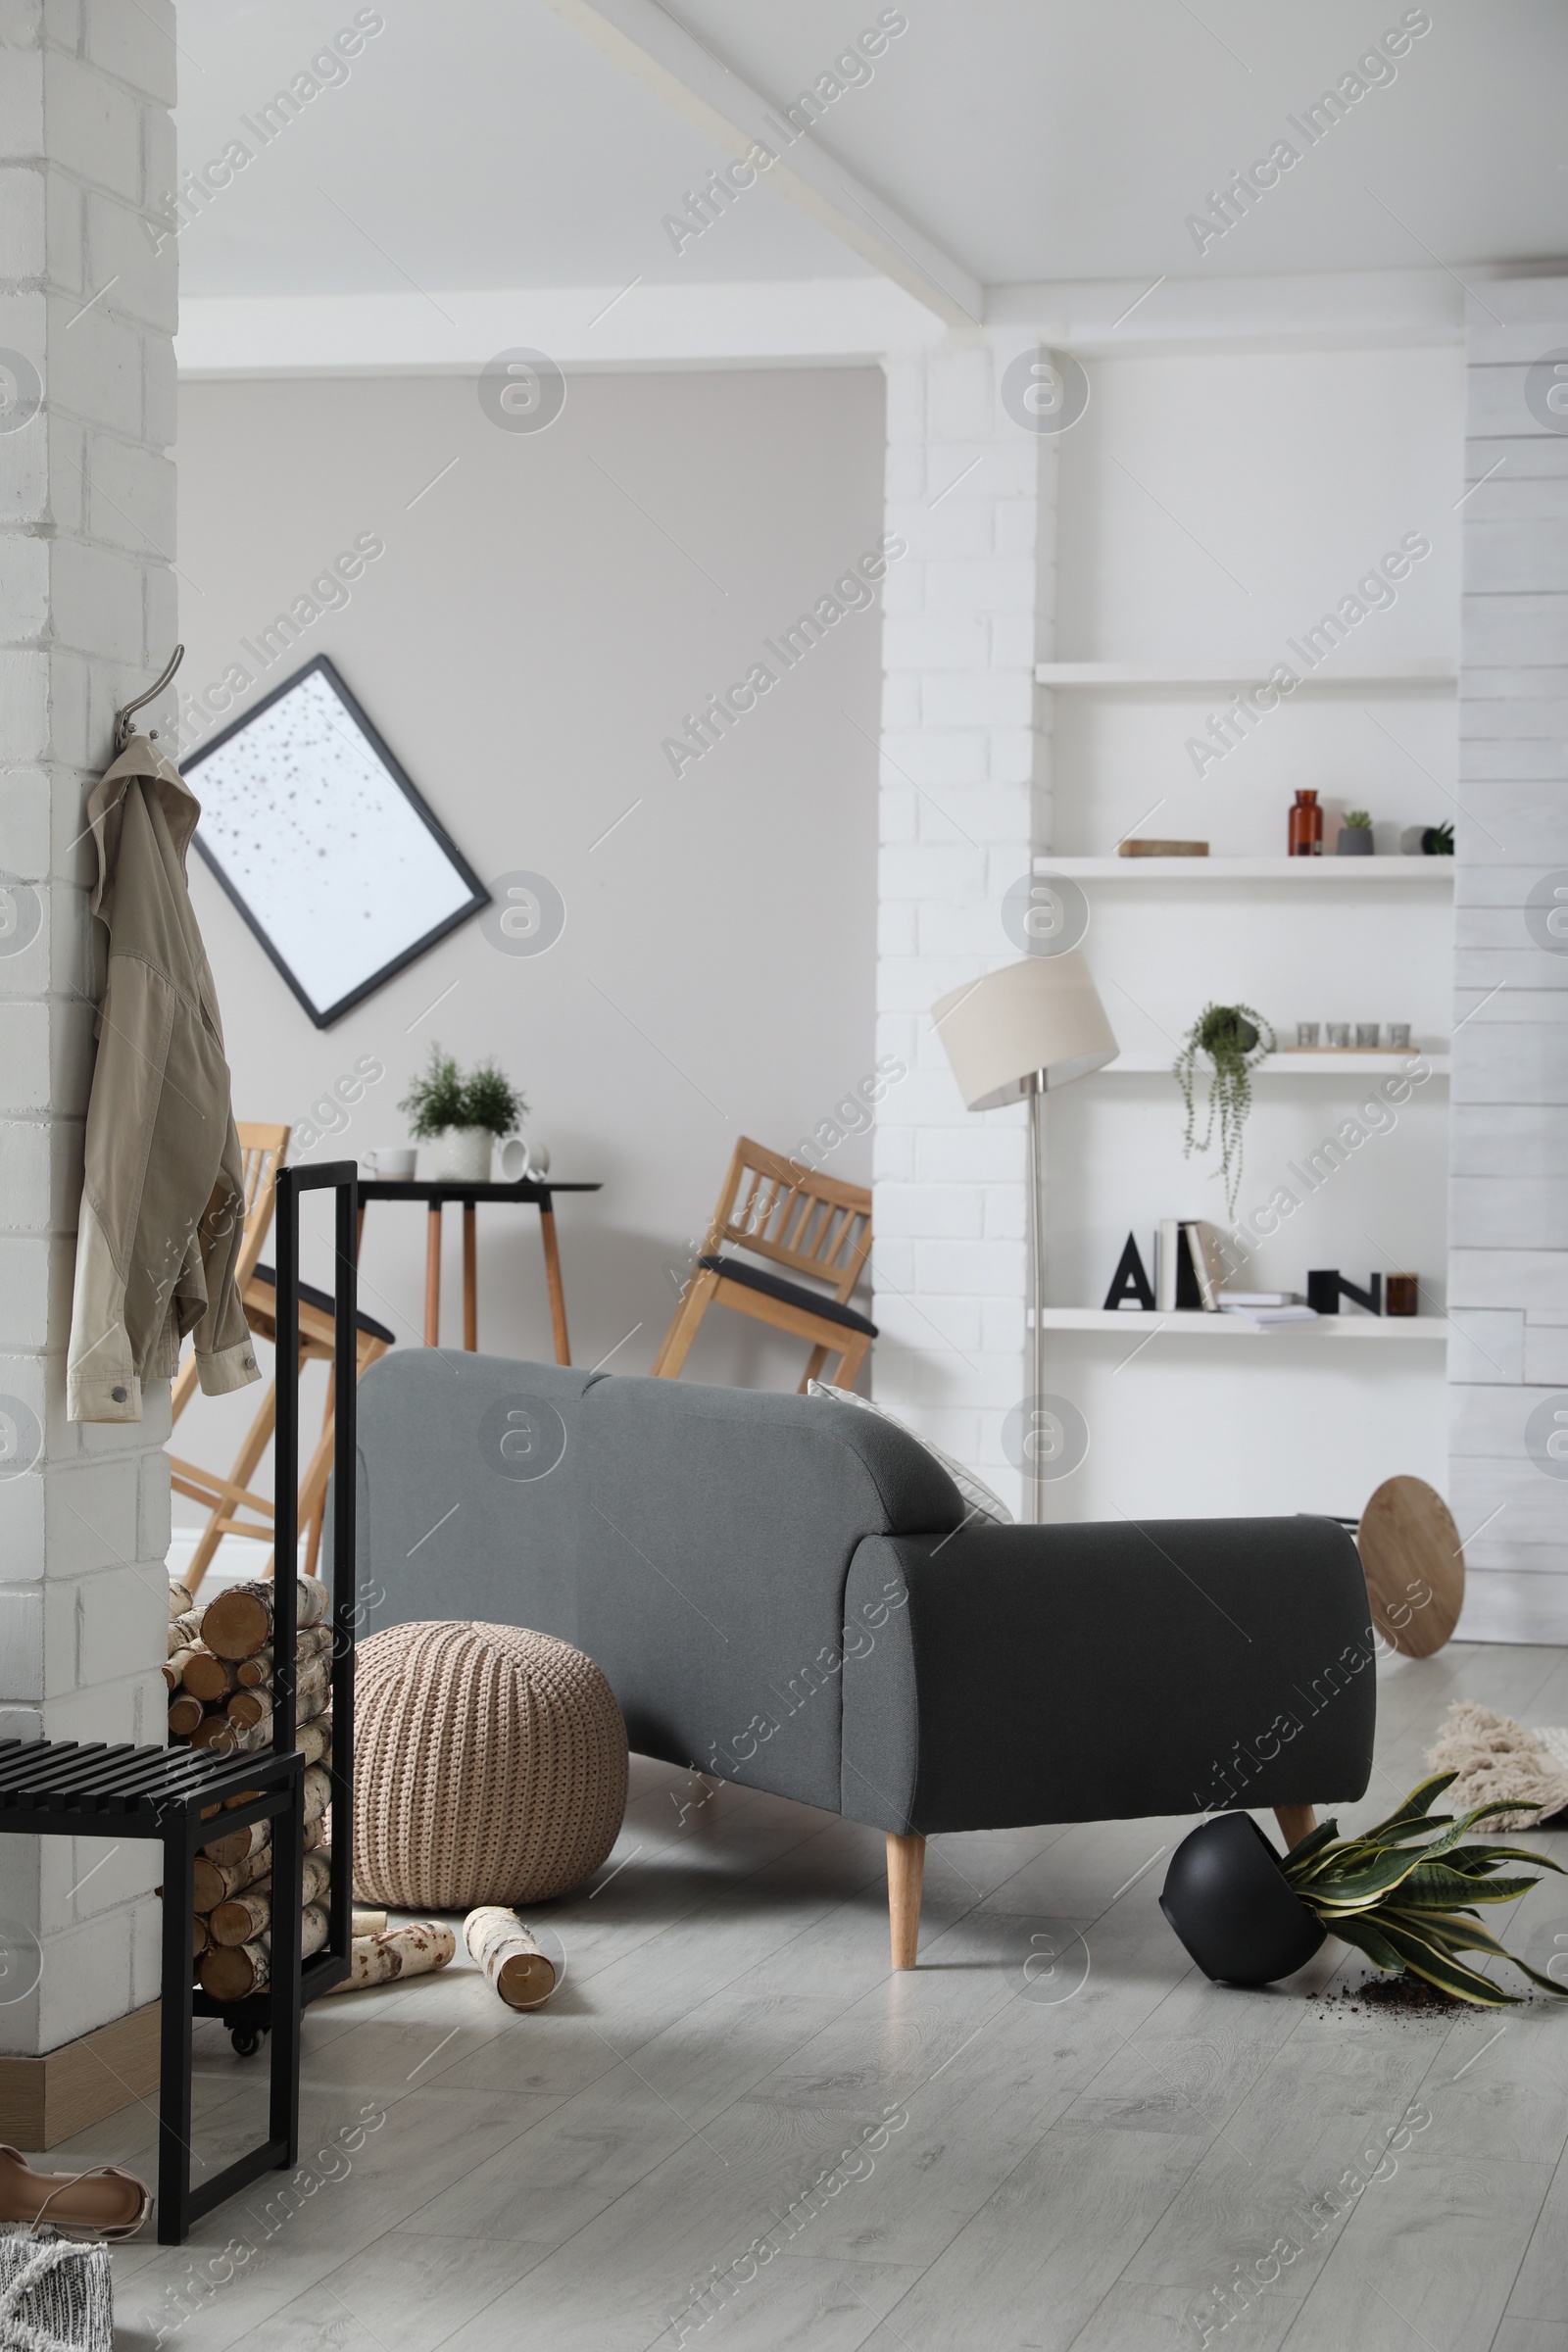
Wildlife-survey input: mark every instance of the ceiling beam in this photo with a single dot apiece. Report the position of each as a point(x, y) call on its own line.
point(646, 41)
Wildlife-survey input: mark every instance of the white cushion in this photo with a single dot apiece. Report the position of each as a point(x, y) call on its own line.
point(981, 1503)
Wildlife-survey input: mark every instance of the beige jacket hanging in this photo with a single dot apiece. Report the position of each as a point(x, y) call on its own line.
point(162, 1208)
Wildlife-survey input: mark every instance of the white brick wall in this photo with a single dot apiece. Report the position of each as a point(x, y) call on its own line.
point(86, 535)
point(964, 798)
point(1508, 1225)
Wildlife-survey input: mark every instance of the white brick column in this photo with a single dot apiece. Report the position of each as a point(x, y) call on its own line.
point(964, 796)
point(1508, 1235)
point(87, 613)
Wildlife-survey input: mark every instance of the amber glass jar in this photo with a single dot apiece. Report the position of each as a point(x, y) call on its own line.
point(1306, 826)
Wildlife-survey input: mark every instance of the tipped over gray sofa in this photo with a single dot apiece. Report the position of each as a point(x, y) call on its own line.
point(782, 1591)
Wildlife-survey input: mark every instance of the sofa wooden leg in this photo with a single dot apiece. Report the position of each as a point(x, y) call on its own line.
point(1295, 1822)
point(906, 1870)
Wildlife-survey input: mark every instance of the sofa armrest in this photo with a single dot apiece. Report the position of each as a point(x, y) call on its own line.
point(1005, 1676)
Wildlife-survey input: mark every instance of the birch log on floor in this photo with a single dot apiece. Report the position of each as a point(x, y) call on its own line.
point(174, 1670)
point(510, 1957)
point(238, 1847)
point(239, 1622)
point(410, 1951)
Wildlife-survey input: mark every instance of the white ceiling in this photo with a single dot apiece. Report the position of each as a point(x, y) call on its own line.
point(488, 145)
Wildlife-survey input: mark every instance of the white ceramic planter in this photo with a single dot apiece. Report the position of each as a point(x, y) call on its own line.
point(462, 1156)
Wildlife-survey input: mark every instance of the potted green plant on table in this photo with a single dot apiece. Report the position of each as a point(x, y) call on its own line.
point(1247, 1915)
point(463, 1116)
point(1355, 835)
point(1234, 1039)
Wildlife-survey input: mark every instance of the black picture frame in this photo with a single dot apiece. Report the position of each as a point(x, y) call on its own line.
point(326, 1016)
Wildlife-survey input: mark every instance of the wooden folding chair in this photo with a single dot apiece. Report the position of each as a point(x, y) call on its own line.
point(777, 1209)
point(227, 1499)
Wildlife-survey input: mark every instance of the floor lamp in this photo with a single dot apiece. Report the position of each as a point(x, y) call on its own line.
point(1018, 1034)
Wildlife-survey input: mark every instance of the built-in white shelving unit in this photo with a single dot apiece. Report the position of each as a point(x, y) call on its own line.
point(1307, 872)
point(1140, 1324)
point(1434, 671)
point(1291, 1065)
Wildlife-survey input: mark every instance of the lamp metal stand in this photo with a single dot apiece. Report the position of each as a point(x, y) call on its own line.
point(1037, 1259)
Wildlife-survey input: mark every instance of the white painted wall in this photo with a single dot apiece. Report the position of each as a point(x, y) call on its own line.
point(541, 620)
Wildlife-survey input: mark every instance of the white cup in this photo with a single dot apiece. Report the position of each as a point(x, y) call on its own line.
point(521, 1159)
point(394, 1163)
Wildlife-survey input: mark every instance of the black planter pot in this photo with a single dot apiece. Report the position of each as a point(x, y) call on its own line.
point(1232, 1905)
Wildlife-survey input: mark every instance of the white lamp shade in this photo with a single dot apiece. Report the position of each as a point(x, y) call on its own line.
point(1043, 1015)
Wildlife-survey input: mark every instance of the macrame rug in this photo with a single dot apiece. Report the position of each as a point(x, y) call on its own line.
point(1495, 1757)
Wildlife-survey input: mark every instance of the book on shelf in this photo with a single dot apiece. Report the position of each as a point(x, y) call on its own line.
point(1190, 1266)
point(1251, 1299)
point(1265, 1317)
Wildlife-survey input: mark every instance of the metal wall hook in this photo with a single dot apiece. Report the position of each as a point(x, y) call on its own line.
point(122, 717)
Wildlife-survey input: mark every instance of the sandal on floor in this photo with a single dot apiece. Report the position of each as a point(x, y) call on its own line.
point(102, 2204)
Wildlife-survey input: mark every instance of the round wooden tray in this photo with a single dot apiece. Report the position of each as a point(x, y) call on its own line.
point(1414, 1564)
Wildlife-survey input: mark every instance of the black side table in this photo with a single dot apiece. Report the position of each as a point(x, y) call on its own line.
point(526, 1193)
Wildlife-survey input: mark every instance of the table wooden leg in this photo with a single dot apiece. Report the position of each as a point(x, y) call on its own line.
point(558, 1301)
point(432, 1277)
point(471, 1280)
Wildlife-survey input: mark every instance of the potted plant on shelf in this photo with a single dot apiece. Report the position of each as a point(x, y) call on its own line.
point(1233, 1037)
point(1249, 1916)
point(1355, 835)
point(463, 1117)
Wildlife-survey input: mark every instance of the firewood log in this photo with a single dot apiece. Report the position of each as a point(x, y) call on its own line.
point(215, 1731)
point(367, 1923)
point(503, 1949)
point(239, 1844)
point(410, 1951)
point(185, 1715)
point(198, 1936)
point(315, 1877)
point(243, 1917)
point(217, 1882)
point(175, 1668)
point(180, 1598)
point(184, 1630)
point(318, 1793)
point(250, 1709)
point(206, 1677)
point(315, 1740)
point(255, 1673)
point(239, 1622)
point(229, 1972)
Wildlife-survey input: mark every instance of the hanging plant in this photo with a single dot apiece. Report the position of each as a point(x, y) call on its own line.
point(1402, 1895)
point(1235, 1039)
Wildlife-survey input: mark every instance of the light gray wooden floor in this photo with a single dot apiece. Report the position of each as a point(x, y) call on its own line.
point(1078, 2156)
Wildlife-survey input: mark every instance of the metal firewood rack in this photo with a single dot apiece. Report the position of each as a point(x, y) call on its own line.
point(250, 2017)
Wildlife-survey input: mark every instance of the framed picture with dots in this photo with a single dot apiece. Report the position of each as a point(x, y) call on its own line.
point(314, 830)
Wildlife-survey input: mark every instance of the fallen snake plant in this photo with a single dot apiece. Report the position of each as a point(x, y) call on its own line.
point(1410, 1906)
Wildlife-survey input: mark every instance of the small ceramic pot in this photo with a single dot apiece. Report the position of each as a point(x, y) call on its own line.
point(1355, 841)
point(1306, 1033)
point(462, 1156)
point(1232, 1905)
point(1366, 1035)
point(394, 1163)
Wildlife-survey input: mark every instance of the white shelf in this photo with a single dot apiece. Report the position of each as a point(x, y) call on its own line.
point(1421, 670)
point(1321, 872)
point(1138, 1324)
point(1341, 1064)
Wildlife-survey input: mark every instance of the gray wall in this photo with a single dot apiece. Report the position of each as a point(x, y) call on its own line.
point(539, 620)
point(1508, 1279)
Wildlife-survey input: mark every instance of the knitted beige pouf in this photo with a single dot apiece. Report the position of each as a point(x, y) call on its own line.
point(489, 1767)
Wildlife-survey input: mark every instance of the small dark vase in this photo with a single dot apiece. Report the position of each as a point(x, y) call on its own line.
point(1233, 1907)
